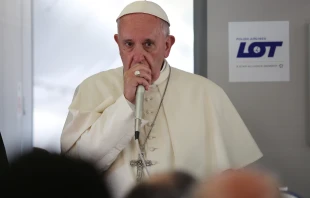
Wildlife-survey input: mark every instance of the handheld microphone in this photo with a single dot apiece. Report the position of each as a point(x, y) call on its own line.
point(139, 112)
point(139, 109)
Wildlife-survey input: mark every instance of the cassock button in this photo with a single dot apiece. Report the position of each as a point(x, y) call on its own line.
point(148, 99)
point(148, 112)
point(152, 149)
point(151, 137)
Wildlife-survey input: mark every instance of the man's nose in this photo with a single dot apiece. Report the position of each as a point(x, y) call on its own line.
point(139, 55)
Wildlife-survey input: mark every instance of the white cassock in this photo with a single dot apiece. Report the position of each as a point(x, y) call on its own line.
point(197, 130)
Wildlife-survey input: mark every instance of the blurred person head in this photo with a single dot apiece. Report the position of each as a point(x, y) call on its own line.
point(4, 163)
point(243, 183)
point(40, 173)
point(165, 185)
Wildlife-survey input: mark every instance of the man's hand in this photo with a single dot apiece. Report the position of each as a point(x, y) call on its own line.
point(131, 81)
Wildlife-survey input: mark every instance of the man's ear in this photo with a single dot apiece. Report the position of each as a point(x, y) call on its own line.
point(116, 38)
point(169, 43)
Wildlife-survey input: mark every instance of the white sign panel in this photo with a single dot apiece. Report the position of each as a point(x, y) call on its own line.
point(259, 51)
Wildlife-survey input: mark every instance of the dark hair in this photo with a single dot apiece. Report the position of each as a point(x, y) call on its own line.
point(179, 185)
point(39, 173)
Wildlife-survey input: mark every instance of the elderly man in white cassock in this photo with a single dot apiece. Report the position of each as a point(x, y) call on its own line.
point(188, 122)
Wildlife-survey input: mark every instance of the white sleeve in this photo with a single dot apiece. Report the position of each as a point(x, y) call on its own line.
point(108, 136)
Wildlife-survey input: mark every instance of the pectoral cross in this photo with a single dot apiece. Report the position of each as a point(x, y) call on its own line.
point(139, 164)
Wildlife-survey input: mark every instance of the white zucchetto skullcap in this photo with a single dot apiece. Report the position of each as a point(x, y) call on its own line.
point(146, 7)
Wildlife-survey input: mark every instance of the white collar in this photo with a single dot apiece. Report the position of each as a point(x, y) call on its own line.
point(164, 67)
point(164, 73)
